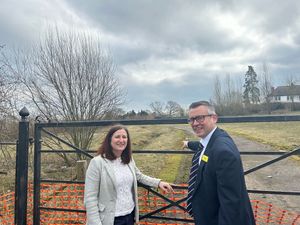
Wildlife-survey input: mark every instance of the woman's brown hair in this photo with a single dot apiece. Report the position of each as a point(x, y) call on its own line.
point(106, 151)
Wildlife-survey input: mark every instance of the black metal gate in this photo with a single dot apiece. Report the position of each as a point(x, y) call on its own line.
point(41, 128)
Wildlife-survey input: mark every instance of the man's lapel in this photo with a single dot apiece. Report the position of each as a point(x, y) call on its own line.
point(205, 158)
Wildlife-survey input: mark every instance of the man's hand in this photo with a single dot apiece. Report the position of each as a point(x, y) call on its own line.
point(184, 144)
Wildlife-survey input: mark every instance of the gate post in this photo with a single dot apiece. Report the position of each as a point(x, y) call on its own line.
point(21, 182)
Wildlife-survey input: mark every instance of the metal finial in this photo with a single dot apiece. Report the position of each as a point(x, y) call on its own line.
point(24, 112)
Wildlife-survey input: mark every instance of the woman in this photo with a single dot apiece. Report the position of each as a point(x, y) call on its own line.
point(111, 182)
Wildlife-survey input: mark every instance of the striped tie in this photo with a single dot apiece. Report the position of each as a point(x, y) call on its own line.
point(192, 179)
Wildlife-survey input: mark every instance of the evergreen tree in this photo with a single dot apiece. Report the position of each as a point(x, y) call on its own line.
point(143, 113)
point(251, 92)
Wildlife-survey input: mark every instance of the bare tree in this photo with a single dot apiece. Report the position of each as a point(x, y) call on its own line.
point(266, 86)
point(227, 97)
point(69, 76)
point(8, 122)
point(115, 113)
point(7, 104)
point(7, 87)
point(173, 109)
point(157, 108)
point(229, 89)
point(233, 96)
point(291, 80)
point(218, 91)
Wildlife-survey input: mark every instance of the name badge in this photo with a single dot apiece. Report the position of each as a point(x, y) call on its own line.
point(204, 158)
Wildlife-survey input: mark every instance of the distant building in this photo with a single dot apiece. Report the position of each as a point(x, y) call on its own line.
point(286, 94)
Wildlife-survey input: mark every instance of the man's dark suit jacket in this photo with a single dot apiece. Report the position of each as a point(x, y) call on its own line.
point(220, 196)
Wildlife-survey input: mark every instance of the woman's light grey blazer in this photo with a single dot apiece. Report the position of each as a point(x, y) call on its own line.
point(100, 192)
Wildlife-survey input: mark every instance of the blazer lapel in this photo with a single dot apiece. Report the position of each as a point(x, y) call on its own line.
point(207, 153)
point(110, 171)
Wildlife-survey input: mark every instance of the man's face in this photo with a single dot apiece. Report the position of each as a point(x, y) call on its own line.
point(201, 121)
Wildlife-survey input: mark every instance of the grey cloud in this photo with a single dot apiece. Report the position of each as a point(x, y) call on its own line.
point(284, 54)
point(127, 54)
point(268, 16)
point(173, 23)
point(163, 37)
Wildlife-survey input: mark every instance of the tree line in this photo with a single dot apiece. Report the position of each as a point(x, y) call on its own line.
point(158, 109)
point(252, 96)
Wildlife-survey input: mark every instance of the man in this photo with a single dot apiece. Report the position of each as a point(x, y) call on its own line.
point(217, 195)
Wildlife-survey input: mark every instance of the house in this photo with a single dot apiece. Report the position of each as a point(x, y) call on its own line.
point(286, 94)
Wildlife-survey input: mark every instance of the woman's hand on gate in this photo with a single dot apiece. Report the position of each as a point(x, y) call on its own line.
point(164, 186)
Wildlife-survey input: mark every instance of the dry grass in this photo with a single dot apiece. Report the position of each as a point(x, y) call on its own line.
point(279, 135)
point(164, 166)
point(154, 137)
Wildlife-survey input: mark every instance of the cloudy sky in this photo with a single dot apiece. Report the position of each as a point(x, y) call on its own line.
point(171, 49)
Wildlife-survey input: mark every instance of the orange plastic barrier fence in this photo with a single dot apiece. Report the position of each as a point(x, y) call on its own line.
point(70, 196)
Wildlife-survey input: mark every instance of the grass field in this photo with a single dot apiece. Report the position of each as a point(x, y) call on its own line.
point(163, 166)
point(279, 135)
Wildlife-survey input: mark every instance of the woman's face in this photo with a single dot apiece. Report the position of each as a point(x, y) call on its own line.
point(119, 142)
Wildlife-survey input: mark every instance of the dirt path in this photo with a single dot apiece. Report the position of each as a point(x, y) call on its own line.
point(280, 176)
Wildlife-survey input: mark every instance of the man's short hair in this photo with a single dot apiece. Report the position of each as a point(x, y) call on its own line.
point(211, 108)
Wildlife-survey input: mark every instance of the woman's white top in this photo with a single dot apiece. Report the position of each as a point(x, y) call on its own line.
point(124, 186)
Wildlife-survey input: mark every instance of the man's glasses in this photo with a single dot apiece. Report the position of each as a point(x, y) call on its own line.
point(199, 118)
